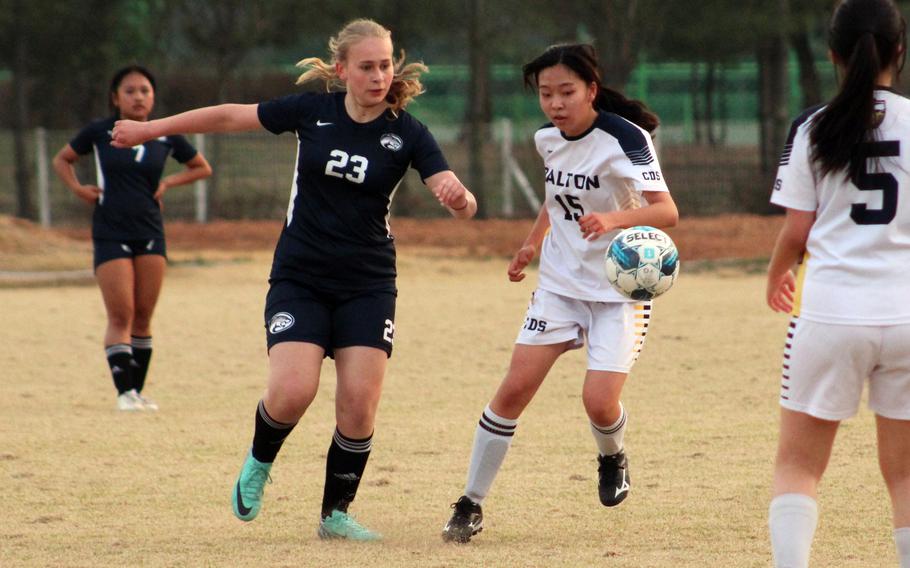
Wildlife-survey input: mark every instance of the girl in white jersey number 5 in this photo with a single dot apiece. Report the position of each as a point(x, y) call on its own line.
point(843, 178)
point(599, 163)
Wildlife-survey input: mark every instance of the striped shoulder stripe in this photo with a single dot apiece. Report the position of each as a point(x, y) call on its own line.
point(631, 138)
point(794, 126)
point(641, 157)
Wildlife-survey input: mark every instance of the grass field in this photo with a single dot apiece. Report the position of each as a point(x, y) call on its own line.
point(84, 485)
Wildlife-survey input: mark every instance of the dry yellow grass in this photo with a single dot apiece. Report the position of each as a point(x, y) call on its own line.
point(84, 485)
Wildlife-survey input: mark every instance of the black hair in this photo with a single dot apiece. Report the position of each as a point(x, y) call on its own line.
point(582, 60)
point(867, 37)
point(118, 78)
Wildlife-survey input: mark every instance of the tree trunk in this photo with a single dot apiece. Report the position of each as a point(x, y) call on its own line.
point(695, 96)
point(24, 203)
point(480, 106)
point(617, 37)
point(710, 89)
point(772, 71)
point(809, 81)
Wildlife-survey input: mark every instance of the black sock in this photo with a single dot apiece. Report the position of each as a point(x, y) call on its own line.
point(119, 357)
point(142, 355)
point(343, 469)
point(269, 435)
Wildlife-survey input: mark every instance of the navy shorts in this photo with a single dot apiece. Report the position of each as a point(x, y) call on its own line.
point(330, 319)
point(106, 250)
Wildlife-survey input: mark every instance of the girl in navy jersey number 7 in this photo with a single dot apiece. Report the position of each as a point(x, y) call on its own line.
point(598, 135)
point(127, 227)
point(333, 275)
point(843, 180)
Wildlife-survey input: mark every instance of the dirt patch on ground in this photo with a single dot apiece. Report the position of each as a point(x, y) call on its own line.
point(25, 244)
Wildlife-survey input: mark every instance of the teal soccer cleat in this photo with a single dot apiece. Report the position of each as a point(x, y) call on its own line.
point(341, 525)
point(247, 495)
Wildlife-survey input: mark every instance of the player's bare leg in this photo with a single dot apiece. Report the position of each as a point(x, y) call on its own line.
point(893, 449)
point(493, 436)
point(361, 371)
point(149, 276)
point(601, 394)
point(115, 280)
point(294, 368)
point(802, 456)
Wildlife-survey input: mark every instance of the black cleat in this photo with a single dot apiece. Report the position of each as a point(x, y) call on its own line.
point(466, 521)
point(614, 482)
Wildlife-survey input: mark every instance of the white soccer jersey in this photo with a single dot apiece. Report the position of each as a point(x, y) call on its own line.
point(604, 169)
point(860, 241)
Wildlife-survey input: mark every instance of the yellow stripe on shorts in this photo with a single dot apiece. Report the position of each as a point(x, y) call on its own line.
point(800, 281)
point(642, 320)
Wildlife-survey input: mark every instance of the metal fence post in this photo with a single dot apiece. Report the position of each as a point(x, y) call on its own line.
point(508, 206)
point(201, 187)
point(44, 198)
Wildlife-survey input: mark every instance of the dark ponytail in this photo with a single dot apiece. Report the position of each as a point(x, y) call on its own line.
point(866, 36)
point(630, 109)
point(582, 60)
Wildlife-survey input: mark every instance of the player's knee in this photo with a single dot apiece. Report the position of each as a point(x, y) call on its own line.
point(120, 319)
point(510, 402)
point(896, 473)
point(356, 416)
point(601, 409)
point(292, 395)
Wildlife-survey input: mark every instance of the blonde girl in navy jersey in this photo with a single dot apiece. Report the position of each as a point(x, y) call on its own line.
point(844, 179)
point(600, 141)
point(333, 276)
point(127, 227)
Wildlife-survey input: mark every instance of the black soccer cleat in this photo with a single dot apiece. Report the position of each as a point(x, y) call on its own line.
point(466, 521)
point(614, 481)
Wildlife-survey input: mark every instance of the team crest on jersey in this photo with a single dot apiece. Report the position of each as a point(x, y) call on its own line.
point(391, 141)
point(280, 322)
point(878, 113)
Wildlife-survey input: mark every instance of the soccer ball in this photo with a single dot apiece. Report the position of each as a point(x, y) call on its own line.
point(642, 263)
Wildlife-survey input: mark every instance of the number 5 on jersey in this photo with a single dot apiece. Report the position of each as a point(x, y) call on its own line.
point(338, 164)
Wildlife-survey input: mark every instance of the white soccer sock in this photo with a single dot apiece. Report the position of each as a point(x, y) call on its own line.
point(792, 518)
point(902, 540)
point(609, 438)
point(491, 442)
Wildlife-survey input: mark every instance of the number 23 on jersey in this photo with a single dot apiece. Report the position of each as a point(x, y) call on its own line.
point(343, 165)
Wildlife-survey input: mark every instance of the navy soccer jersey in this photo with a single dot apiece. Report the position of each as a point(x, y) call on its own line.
point(336, 235)
point(129, 178)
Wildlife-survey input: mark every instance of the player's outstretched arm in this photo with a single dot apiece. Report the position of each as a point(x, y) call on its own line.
point(220, 118)
point(790, 245)
point(452, 194)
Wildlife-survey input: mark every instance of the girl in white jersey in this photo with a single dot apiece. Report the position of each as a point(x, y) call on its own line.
point(840, 178)
point(599, 162)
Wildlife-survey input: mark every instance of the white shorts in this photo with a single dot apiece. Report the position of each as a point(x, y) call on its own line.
point(826, 365)
point(615, 330)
